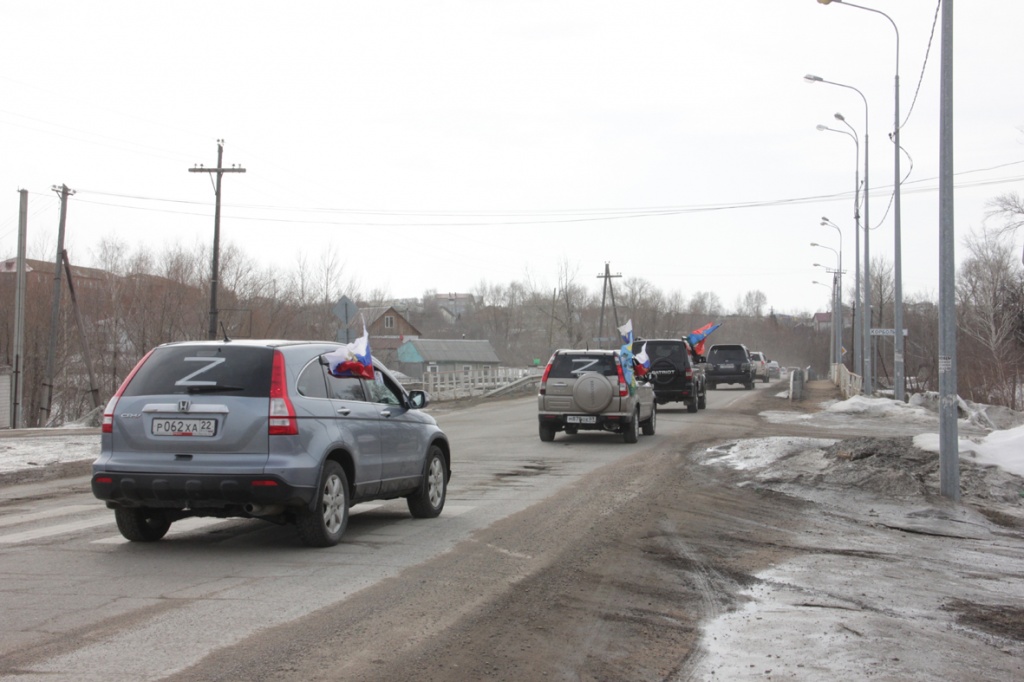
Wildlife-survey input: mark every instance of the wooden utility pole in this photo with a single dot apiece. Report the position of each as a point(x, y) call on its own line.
point(220, 171)
point(606, 289)
point(51, 356)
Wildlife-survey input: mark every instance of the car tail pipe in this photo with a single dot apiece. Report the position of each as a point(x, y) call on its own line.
point(263, 509)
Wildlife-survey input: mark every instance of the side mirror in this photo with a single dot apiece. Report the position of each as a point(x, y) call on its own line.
point(418, 399)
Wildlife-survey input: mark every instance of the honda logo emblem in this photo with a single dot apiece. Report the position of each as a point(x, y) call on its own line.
point(183, 405)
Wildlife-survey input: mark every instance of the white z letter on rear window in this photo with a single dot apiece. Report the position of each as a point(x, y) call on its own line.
point(210, 364)
point(581, 365)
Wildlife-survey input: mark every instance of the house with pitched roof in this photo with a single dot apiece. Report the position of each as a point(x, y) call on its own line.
point(420, 356)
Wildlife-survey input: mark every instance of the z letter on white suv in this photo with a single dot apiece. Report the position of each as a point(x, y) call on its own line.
point(263, 429)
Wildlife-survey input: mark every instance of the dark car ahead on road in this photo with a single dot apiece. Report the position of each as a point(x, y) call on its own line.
point(263, 429)
point(676, 372)
point(729, 363)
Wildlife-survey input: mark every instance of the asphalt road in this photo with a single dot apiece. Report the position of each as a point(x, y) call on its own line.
point(80, 603)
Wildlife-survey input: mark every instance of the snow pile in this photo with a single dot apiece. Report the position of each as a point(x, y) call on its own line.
point(881, 408)
point(1004, 449)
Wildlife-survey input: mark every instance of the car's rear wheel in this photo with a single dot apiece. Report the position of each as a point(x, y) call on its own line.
point(325, 524)
point(547, 434)
point(651, 424)
point(691, 406)
point(631, 434)
point(428, 501)
point(765, 380)
point(702, 400)
point(749, 385)
point(140, 524)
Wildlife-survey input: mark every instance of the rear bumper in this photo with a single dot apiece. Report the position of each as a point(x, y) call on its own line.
point(602, 422)
point(730, 378)
point(670, 395)
point(180, 491)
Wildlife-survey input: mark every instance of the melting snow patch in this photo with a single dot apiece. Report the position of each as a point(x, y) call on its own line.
point(756, 453)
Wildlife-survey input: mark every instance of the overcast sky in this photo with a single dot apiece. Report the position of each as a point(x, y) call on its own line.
point(435, 145)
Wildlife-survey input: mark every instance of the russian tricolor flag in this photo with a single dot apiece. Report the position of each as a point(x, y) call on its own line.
point(352, 359)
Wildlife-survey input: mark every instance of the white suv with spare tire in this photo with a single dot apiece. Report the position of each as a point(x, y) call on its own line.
point(588, 390)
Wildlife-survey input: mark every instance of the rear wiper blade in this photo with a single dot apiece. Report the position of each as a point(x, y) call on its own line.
point(213, 389)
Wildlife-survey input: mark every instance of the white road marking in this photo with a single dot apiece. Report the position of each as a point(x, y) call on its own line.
point(16, 519)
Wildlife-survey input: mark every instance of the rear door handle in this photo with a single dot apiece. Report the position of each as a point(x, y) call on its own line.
point(385, 413)
point(344, 411)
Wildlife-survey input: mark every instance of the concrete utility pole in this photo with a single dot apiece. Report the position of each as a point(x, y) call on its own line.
point(606, 289)
point(51, 356)
point(949, 448)
point(220, 171)
point(19, 314)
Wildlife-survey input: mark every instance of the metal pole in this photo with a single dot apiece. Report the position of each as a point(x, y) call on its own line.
point(866, 322)
point(897, 257)
point(19, 315)
point(867, 383)
point(949, 450)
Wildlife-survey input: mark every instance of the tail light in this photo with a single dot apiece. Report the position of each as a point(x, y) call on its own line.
point(107, 425)
point(688, 373)
point(282, 421)
point(544, 377)
point(623, 386)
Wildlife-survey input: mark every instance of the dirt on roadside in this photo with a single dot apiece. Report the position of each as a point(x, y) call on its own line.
point(616, 580)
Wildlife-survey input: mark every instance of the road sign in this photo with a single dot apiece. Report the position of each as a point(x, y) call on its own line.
point(346, 311)
point(886, 332)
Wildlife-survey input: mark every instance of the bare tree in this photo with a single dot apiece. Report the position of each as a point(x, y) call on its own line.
point(751, 304)
point(989, 295)
point(705, 303)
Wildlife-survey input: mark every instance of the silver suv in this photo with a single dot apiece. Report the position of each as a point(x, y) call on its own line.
point(587, 390)
point(263, 429)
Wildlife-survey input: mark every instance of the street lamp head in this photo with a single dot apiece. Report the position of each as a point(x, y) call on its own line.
point(825, 2)
point(811, 78)
point(821, 127)
point(815, 244)
point(825, 219)
point(839, 117)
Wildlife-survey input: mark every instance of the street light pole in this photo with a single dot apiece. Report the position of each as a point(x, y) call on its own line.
point(858, 313)
point(899, 387)
point(856, 216)
point(832, 325)
point(837, 283)
point(866, 376)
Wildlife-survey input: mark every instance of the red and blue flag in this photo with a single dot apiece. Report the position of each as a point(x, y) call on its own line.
point(697, 336)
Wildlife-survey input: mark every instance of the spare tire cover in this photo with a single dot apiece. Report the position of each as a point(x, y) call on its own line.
point(592, 392)
point(664, 372)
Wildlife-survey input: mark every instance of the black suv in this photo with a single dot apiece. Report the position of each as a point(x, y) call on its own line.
point(729, 363)
point(676, 372)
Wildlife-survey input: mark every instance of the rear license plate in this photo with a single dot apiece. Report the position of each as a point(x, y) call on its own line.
point(728, 365)
point(184, 427)
point(575, 419)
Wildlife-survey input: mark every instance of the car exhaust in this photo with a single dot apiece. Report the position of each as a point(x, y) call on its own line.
point(263, 509)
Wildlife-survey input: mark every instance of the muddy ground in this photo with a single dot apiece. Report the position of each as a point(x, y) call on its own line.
point(838, 561)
